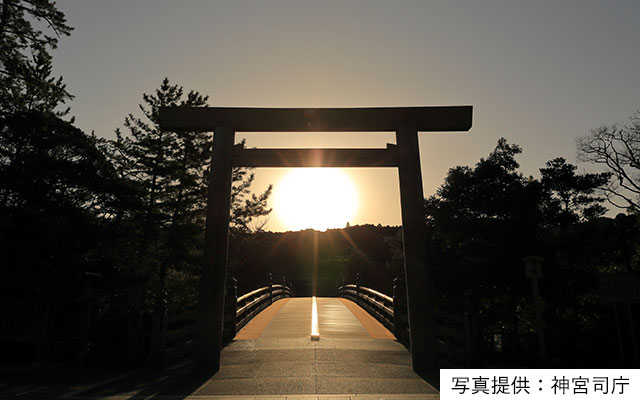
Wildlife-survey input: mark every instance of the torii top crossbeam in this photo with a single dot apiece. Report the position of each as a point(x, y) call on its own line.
point(379, 119)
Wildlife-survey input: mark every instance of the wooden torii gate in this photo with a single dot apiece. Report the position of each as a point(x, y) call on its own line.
point(406, 122)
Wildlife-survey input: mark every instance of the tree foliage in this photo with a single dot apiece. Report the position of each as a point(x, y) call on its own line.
point(75, 208)
point(25, 59)
point(54, 177)
point(171, 173)
point(56, 183)
point(484, 220)
point(569, 197)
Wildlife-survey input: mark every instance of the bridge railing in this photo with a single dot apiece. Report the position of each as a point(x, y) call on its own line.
point(175, 335)
point(455, 339)
point(455, 332)
point(375, 303)
point(179, 336)
point(250, 304)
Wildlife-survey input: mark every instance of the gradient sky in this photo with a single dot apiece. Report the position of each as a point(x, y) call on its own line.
point(539, 73)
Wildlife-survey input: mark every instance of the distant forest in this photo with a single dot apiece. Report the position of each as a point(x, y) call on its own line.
point(331, 256)
point(97, 235)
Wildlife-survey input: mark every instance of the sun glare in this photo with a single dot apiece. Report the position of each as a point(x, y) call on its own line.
point(317, 198)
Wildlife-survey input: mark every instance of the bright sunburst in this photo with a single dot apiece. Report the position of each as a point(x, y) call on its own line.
point(318, 198)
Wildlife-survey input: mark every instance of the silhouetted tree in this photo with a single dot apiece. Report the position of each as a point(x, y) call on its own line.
point(570, 198)
point(485, 219)
point(482, 221)
point(57, 200)
point(59, 194)
point(167, 167)
point(54, 177)
point(25, 60)
point(484, 213)
point(170, 170)
point(617, 147)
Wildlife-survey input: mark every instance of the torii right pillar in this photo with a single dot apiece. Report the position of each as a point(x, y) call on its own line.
point(418, 275)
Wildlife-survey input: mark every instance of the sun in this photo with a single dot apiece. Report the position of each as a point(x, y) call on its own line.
point(317, 198)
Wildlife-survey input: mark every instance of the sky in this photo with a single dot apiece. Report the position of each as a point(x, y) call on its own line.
point(539, 73)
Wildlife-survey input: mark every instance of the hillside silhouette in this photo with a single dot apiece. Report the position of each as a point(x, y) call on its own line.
point(330, 256)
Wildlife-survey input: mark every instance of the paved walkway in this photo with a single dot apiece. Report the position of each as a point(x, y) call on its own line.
point(351, 359)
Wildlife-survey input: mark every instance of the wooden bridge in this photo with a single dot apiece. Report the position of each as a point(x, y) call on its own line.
point(351, 346)
point(354, 344)
point(274, 354)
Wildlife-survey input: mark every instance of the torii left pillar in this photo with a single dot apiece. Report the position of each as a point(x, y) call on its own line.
point(216, 249)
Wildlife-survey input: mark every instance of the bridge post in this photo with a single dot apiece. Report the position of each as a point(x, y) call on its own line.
point(230, 309)
point(284, 286)
point(400, 310)
point(358, 288)
point(270, 283)
point(418, 276)
point(214, 267)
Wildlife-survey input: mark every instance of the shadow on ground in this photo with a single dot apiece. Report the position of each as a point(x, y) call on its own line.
point(56, 381)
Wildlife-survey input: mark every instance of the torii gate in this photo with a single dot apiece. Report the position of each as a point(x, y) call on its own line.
point(406, 122)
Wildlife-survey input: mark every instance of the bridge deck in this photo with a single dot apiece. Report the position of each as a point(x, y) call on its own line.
point(356, 355)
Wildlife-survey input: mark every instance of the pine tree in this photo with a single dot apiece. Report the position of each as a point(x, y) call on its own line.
point(54, 176)
point(25, 62)
point(569, 197)
point(171, 172)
